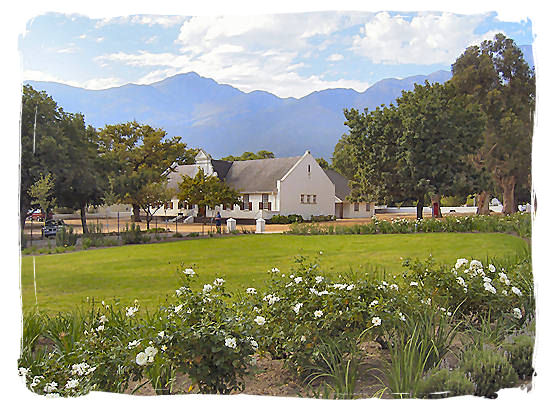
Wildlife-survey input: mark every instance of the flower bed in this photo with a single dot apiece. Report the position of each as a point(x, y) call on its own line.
point(315, 325)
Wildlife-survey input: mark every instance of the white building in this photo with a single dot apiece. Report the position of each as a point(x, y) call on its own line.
point(272, 186)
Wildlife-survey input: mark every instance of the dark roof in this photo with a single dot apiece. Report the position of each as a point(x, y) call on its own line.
point(258, 175)
point(341, 184)
point(221, 167)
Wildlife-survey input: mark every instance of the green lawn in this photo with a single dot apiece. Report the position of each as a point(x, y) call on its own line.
point(148, 272)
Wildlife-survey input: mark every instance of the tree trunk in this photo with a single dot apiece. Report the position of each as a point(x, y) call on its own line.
point(83, 218)
point(482, 202)
point(508, 185)
point(149, 219)
point(419, 207)
point(136, 217)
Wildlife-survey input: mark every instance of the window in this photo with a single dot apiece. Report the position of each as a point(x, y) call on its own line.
point(246, 205)
point(302, 198)
point(308, 199)
point(314, 199)
point(309, 169)
point(169, 205)
point(265, 202)
point(356, 206)
point(368, 207)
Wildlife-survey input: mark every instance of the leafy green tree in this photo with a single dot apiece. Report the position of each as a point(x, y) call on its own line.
point(416, 148)
point(207, 191)
point(342, 159)
point(42, 192)
point(138, 155)
point(151, 197)
point(497, 77)
point(245, 156)
point(323, 163)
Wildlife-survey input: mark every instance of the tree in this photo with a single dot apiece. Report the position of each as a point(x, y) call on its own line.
point(42, 193)
point(139, 155)
point(323, 163)
point(415, 148)
point(151, 197)
point(342, 159)
point(497, 77)
point(245, 156)
point(207, 191)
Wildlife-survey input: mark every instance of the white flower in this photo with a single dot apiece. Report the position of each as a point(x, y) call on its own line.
point(394, 287)
point(351, 287)
point(50, 387)
point(502, 277)
point(275, 270)
point(339, 286)
point(507, 282)
point(296, 307)
point(474, 264)
point(100, 328)
point(318, 313)
point(207, 288)
point(376, 321)
point(325, 292)
point(251, 291)
point(103, 319)
point(373, 303)
point(23, 371)
point(414, 283)
point(71, 384)
point(428, 301)
point(141, 359)
point(161, 334)
point(492, 268)
point(504, 292)
point(298, 279)
point(133, 344)
point(460, 281)
point(82, 369)
point(163, 348)
point(260, 320)
point(177, 308)
point(151, 352)
point(517, 313)
point(487, 279)
point(36, 381)
point(131, 311)
point(271, 299)
point(189, 272)
point(231, 342)
point(253, 343)
point(218, 282)
point(402, 317)
point(488, 287)
point(516, 291)
point(460, 262)
point(319, 279)
point(303, 338)
point(320, 252)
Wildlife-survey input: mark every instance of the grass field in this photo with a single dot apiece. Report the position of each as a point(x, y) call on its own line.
point(149, 272)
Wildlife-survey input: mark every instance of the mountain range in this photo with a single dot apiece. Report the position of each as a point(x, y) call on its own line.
point(226, 121)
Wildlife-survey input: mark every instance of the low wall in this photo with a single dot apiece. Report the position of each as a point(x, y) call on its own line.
point(428, 210)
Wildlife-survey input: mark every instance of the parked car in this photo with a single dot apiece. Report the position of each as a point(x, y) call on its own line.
point(37, 216)
point(51, 227)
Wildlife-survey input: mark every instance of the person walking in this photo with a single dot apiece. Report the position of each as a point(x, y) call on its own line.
point(218, 222)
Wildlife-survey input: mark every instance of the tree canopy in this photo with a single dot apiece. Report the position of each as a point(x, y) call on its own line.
point(250, 155)
point(414, 148)
point(497, 77)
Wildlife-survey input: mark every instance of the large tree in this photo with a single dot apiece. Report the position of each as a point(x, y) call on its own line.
point(138, 155)
point(415, 148)
point(342, 159)
point(58, 143)
point(496, 75)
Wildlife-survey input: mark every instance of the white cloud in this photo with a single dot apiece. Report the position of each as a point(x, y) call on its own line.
point(91, 84)
point(146, 19)
point(68, 50)
point(427, 38)
point(335, 57)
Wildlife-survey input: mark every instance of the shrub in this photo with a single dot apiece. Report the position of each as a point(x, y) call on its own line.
point(134, 234)
point(489, 371)
point(519, 352)
point(65, 237)
point(445, 383)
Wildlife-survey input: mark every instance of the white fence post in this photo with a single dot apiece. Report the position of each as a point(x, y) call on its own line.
point(260, 225)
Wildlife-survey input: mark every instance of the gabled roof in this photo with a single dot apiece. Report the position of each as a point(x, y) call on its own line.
point(258, 175)
point(221, 167)
point(174, 178)
point(341, 184)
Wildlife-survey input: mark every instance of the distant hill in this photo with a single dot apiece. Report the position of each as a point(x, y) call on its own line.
point(224, 120)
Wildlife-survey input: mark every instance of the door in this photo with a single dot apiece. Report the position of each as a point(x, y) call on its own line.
point(339, 210)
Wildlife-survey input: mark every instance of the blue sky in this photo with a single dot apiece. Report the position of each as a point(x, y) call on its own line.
point(290, 55)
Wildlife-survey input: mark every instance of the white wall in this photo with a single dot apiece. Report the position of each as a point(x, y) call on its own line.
point(299, 181)
point(349, 210)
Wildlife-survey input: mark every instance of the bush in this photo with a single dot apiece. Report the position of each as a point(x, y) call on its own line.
point(65, 237)
point(285, 219)
point(445, 383)
point(489, 371)
point(519, 352)
point(134, 234)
